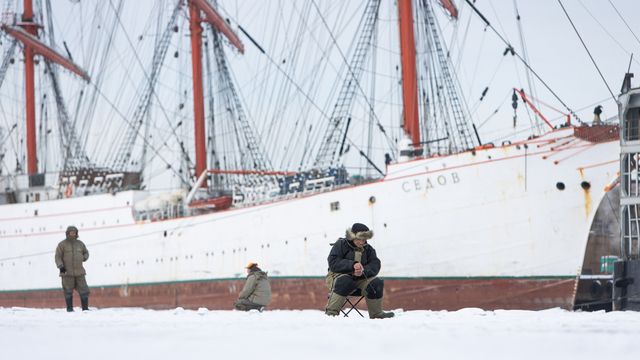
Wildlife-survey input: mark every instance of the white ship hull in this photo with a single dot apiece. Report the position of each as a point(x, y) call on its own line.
point(495, 213)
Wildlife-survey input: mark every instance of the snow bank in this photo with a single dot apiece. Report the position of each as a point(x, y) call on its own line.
point(133, 333)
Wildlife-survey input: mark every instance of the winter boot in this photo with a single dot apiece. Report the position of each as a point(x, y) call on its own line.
point(69, 302)
point(375, 309)
point(85, 303)
point(335, 304)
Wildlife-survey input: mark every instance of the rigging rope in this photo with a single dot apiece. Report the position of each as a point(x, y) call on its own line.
point(588, 52)
point(606, 31)
point(357, 84)
point(523, 61)
point(146, 76)
point(301, 91)
point(157, 152)
point(628, 27)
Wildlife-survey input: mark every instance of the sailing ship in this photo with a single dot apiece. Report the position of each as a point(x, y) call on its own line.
point(457, 222)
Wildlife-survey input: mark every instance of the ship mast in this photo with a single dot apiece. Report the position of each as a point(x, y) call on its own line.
point(198, 100)
point(27, 32)
point(212, 17)
point(28, 24)
point(409, 79)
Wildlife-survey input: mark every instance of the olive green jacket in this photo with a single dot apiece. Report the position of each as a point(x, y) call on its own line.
point(70, 254)
point(257, 289)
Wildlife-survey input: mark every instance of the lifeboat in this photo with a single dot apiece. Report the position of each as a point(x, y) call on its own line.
point(218, 203)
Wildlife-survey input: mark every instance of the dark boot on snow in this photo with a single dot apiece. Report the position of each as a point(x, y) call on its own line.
point(384, 315)
point(69, 302)
point(375, 309)
point(85, 304)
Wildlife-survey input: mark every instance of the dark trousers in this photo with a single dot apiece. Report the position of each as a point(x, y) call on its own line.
point(244, 305)
point(79, 283)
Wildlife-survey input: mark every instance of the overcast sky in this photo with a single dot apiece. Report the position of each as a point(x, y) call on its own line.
point(553, 49)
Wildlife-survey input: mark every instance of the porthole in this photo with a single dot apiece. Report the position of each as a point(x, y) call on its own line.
point(560, 185)
point(585, 185)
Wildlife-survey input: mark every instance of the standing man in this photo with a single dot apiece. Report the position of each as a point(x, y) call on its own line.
point(256, 293)
point(70, 255)
point(353, 264)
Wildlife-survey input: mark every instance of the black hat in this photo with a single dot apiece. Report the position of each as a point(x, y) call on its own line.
point(357, 227)
point(359, 231)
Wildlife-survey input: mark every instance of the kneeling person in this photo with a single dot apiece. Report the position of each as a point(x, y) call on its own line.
point(256, 293)
point(353, 264)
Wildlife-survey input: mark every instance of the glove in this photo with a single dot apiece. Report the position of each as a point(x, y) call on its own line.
point(63, 270)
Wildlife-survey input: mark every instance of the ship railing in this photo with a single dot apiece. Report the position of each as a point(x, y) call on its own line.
point(8, 18)
point(318, 187)
point(170, 212)
point(239, 200)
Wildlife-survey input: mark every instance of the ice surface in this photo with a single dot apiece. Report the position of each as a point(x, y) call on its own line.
point(134, 333)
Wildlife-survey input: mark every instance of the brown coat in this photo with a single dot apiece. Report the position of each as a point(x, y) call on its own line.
point(70, 254)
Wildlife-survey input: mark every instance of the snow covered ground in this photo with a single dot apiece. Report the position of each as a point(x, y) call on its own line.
point(133, 333)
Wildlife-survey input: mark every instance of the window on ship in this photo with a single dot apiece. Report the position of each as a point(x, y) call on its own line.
point(632, 124)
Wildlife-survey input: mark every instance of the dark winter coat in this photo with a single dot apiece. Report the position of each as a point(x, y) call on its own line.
point(70, 254)
point(342, 255)
point(257, 289)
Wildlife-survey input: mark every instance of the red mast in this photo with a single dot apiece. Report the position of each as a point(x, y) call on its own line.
point(409, 83)
point(198, 99)
point(27, 33)
point(30, 27)
point(212, 17)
